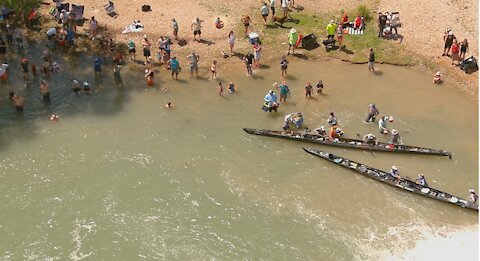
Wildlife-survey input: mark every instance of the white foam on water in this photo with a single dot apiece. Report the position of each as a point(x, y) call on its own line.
point(82, 229)
point(462, 244)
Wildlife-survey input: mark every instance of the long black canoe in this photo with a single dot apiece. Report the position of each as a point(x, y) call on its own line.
point(347, 143)
point(386, 178)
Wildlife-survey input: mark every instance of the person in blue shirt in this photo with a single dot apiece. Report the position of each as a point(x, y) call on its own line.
point(271, 101)
point(421, 180)
point(175, 67)
point(97, 66)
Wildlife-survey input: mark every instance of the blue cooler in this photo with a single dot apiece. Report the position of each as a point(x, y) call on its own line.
point(253, 38)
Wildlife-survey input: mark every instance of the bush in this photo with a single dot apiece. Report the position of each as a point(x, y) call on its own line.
point(364, 11)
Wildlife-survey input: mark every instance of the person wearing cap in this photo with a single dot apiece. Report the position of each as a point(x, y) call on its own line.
point(321, 131)
point(86, 88)
point(76, 87)
point(271, 101)
point(332, 120)
point(196, 27)
point(395, 139)
point(473, 196)
point(175, 67)
point(193, 59)
point(372, 113)
point(292, 40)
point(395, 174)
point(421, 180)
point(382, 125)
point(146, 47)
point(284, 91)
point(437, 78)
point(448, 39)
point(331, 29)
point(382, 22)
point(370, 139)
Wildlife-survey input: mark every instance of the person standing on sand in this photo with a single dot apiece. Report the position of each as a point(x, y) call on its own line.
point(340, 36)
point(193, 59)
point(292, 40)
point(44, 91)
point(93, 27)
point(331, 29)
point(284, 66)
point(463, 48)
point(231, 41)
point(371, 60)
point(455, 52)
point(448, 38)
point(257, 54)
point(131, 49)
point(272, 7)
point(264, 12)
point(246, 22)
point(196, 26)
point(382, 22)
point(175, 28)
point(146, 47)
point(213, 69)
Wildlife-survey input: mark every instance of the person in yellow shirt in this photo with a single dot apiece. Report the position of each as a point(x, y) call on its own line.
point(331, 28)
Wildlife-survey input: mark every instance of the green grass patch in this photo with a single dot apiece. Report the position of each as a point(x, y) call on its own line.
point(358, 46)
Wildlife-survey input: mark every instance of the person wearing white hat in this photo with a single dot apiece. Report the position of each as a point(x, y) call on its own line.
point(331, 29)
point(437, 78)
point(448, 38)
point(372, 113)
point(370, 139)
point(292, 40)
point(76, 87)
point(396, 139)
point(421, 180)
point(395, 174)
point(321, 131)
point(473, 196)
point(382, 125)
point(271, 102)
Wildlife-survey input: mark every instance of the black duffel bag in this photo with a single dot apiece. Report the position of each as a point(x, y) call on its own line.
point(469, 65)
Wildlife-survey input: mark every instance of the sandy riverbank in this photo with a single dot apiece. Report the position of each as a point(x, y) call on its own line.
point(422, 29)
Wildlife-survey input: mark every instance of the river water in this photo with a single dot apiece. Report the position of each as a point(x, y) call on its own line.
point(121, 178)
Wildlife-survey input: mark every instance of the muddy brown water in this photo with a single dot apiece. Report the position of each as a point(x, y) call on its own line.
point(120, 177)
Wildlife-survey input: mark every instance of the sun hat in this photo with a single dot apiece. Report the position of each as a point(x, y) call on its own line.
point(394, 132)
point(438, 73)
point(75, 81)
point(85, 84)
point(271, 91)
point(471, 190)
point(292, 31)
point(394, 168)
point(450, 33)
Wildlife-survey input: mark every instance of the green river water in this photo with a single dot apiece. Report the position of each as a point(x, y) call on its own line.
point(121, 178)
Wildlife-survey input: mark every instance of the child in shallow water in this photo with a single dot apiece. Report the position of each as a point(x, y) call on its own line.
point(437, 78)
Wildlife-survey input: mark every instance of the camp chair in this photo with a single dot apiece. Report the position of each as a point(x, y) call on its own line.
point(110, 8)
point(33, 17)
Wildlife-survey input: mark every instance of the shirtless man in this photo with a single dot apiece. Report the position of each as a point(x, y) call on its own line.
point(18, 101)
point(44, 91)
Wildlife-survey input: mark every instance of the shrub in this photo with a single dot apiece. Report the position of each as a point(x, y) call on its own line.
point(364, 11)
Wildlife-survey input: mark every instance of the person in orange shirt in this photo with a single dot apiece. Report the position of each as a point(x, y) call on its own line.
point(335, 132)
